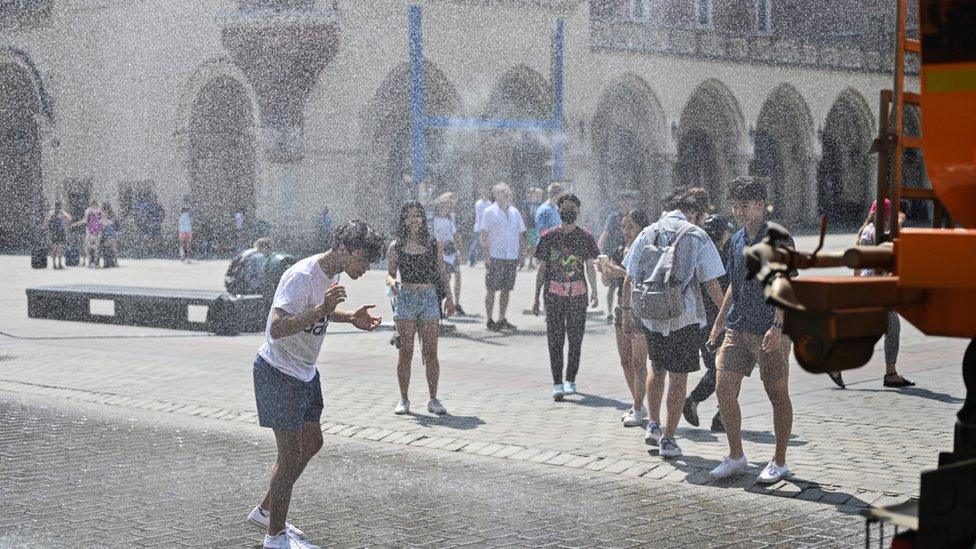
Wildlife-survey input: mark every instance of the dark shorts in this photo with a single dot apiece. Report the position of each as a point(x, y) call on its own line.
point(285, 402)
point(500, 276)
point(676, 352)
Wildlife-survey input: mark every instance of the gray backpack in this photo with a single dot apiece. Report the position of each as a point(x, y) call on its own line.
point(659, 295)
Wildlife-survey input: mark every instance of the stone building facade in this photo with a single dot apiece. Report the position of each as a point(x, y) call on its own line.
point(280, 107)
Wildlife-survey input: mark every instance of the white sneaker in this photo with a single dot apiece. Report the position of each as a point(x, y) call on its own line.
point(627, 414)
point(653, 434)
point(260, 517)
point(569, 388)
point(284, 540)
point(434, 406)
point(402, 407)
point(669, 448)
point(729, 467)
point(773, 473)
point(635, 418)
point(557, 392)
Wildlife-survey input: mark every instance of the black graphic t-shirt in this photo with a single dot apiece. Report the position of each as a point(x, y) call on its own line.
point(565, 253)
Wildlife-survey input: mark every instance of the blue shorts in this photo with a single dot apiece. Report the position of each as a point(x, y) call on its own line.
point(417, 305)
point(285, 402)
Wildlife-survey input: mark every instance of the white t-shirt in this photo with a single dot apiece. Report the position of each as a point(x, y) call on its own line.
point(443, 229)
point(504, 230)
point(302, 287)
point(479, 210)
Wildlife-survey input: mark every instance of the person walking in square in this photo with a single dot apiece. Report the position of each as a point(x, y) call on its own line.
point(419, 260)
point(611, 237)
point(57, 222)
point(480, 205)
point(185, 228)
point(565, 255)
point(631, 346)
point(673, 344)
point(287, 387)
point(501, 230)
point(753, 335)
point(445, 232)
point(92, 220)
point(720, 230)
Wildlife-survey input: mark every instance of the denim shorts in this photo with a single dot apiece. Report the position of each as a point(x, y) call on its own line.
point(285, 402)
point(417, 305)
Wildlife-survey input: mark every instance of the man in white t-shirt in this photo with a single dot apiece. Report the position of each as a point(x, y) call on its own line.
point(501, 229)
point(286, 382)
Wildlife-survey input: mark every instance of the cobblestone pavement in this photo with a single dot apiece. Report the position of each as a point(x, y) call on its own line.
point(865, 445)
point(87, 476)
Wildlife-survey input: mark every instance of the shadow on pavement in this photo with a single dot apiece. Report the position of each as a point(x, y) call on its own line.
point(697, 469)
point(463, 423)
point(918, 392)
point(761, 437)
point(594, 401)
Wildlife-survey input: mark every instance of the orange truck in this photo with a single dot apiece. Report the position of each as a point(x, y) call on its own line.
point(836, 322)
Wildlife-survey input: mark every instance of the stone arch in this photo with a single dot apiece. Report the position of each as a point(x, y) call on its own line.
point(387, 144)
point(629, 139)
point(783, 145)
point(711, 140)
point(844, 176)
point(23, 109)
point(222, 159)
point(523, 159)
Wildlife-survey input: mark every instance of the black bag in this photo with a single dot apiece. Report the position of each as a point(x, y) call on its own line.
point(223, 316)
point(234, 278)
point(39, 258)
point(109, 259)
point(72, 256)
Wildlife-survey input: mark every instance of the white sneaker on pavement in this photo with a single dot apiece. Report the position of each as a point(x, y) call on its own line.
point(669, 448)
point(557, 392)
point(402, 407)
point(635, 418)
point(653, 434)
point(729, 467)
point(627, 413)
point(260, 517)
point(284, 540)
point(773, 473)
point(434, 406)
point(569, 388)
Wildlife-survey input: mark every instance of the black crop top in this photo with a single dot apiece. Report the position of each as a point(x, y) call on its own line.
point(419, 268)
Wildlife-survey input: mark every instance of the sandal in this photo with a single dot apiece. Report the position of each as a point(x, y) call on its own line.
point(837, 379)
point(900, 381)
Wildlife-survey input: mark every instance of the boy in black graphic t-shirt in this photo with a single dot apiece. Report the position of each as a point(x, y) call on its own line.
point(565, 255)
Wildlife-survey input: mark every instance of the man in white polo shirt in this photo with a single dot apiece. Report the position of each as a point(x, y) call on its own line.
point(286, 382)
point(501, 229)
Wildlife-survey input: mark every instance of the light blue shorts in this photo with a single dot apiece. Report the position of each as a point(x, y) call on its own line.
point(417, 305)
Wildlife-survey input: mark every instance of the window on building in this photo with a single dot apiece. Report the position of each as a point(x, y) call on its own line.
point(640, 10)
point(703, 13)
point(764, 16)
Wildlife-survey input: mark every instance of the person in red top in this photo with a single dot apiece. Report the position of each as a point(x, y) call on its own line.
point(564, 253)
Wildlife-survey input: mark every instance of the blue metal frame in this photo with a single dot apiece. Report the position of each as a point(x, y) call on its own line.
point(420, 122)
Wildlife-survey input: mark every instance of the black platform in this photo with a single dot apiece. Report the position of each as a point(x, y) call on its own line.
point(155, 307)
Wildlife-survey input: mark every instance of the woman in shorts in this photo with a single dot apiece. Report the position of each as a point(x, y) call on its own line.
point(418, 259)
point(186, 234)
point(631, 346)
point(446, 234)
point(92, 221)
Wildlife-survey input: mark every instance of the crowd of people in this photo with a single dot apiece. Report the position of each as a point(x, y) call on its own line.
point(678, 278)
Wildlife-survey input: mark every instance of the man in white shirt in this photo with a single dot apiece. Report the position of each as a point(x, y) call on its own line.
point(501, 229)
point(286, 382)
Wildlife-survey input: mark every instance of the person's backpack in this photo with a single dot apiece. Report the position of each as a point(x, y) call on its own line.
point(234, 278)
point(658, 292)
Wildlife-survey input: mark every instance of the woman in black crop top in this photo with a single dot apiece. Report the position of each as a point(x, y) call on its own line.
point(419, 260)
point(632, 347)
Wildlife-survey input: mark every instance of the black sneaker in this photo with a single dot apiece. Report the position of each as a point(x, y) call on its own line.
point(717, 426)
point(505, 325)
point(691, 415)
point(493, 326)
point(458, 310)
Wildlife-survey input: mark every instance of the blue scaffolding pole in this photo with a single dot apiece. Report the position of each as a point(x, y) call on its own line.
point(420, 122)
